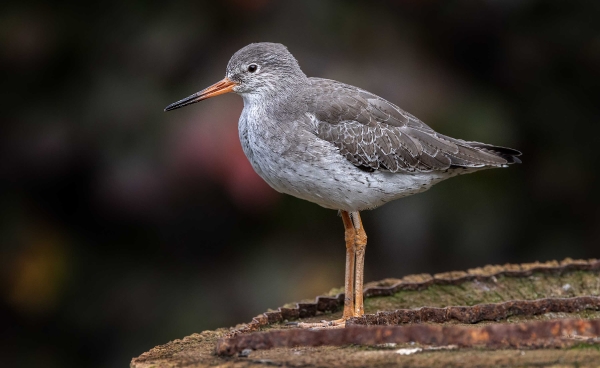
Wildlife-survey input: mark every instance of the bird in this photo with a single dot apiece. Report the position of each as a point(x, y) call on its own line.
point(338, 146)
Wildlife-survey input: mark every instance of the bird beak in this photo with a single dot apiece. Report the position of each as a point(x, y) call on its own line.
point(224, 86)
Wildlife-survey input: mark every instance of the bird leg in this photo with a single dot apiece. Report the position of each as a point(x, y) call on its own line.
point(350, 235)
point(360, 247)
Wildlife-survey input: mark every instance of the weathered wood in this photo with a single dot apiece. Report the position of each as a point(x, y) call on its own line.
point(491, 284)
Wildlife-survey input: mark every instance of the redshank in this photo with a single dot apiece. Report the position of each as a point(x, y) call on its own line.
point(338, 146)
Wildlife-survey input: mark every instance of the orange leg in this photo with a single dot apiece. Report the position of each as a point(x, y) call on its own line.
point(349, 308)
point(360, 247)
point(350, 236)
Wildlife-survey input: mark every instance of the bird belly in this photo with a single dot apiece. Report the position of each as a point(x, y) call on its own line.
point(345, 187)
point(348, 188)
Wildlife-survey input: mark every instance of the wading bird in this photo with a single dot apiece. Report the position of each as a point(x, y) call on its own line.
point(338, 146)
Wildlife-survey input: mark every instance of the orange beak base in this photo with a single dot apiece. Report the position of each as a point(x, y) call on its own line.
point(219, 88)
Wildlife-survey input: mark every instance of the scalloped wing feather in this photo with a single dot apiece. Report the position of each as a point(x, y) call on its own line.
point(375, 134)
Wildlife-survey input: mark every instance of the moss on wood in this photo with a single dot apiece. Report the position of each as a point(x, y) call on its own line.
point(197, 350)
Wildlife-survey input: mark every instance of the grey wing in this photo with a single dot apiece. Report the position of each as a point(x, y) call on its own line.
point(375, 134)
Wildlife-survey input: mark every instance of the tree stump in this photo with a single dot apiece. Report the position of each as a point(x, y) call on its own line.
point(539, 314)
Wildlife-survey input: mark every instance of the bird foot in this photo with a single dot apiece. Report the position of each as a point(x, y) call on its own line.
point(323, 325)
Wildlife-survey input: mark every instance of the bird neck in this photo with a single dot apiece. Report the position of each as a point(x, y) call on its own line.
point(277, 98)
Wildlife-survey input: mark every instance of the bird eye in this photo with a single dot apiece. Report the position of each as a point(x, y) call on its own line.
point(252, 68)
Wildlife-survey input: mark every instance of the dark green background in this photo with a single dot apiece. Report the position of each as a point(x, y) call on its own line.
point(124, 227)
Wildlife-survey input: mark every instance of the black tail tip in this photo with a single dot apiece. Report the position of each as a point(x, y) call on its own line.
point(510, 155)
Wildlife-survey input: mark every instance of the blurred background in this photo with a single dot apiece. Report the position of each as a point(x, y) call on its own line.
point(124, 227)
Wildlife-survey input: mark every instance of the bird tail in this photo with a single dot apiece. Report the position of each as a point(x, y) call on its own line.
point(510, 155)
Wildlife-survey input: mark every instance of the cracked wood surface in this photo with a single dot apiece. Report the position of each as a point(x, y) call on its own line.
point(562, 294)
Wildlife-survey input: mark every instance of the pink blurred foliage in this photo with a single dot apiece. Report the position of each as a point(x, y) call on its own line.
point(207, 146)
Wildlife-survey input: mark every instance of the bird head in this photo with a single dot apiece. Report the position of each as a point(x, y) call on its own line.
point(259, 70)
